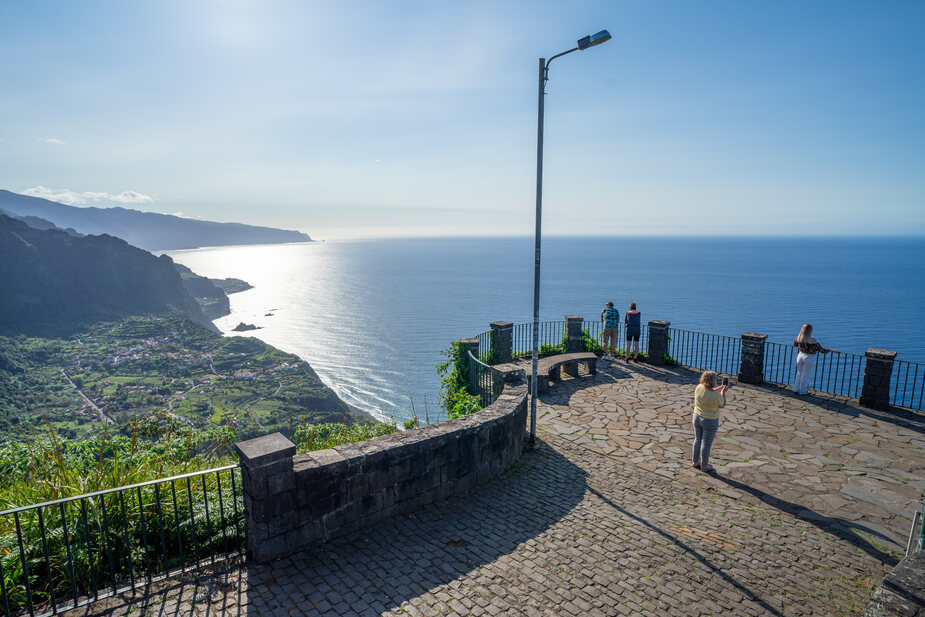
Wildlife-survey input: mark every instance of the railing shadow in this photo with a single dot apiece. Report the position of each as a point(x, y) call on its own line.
point(841, 528)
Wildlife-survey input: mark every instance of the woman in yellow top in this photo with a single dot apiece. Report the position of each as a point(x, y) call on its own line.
point(707, 402)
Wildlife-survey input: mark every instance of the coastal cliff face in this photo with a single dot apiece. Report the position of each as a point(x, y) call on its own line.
point(53, 282)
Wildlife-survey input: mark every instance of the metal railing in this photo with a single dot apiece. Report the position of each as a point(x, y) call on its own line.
point(916, 541)
point(61, 554)
point(834, 373)
point(550, 333)
point(484, 381)
point(907, 385)
point(706, 352)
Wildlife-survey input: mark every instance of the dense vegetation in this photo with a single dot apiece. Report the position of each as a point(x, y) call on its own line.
point(454, 382)
point(119, 537)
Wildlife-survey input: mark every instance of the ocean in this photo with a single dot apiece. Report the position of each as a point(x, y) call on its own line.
point(372, 316)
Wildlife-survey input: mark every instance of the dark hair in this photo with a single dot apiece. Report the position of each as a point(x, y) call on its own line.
point(632, 306)
point(610, 304)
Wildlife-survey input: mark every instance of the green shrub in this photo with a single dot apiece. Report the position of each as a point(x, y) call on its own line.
point(454, 382)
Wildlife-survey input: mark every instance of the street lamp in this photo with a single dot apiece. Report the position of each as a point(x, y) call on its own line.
point(583, 43)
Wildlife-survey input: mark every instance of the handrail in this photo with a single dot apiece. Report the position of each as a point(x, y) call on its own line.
point(485, 380)
point(118, 489)
point(60, 554)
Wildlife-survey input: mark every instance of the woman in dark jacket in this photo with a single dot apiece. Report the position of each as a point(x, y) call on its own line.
point(632, 321)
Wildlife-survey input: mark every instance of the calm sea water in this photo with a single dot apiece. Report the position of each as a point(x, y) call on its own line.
point(372, 316)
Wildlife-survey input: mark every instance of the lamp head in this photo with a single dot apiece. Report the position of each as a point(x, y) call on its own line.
point(594, 39)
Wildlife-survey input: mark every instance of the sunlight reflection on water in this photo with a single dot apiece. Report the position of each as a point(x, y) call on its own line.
point(372, 316)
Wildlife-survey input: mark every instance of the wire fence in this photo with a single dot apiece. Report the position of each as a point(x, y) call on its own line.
point(61, 554)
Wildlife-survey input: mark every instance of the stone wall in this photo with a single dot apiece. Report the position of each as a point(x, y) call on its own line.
point(293, 501)
point(902, 593)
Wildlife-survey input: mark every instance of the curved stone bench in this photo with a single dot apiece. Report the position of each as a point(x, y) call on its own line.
point(294, 501)
point(549, 368)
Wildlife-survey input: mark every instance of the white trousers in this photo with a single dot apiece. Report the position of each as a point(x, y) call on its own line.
point(806, 362)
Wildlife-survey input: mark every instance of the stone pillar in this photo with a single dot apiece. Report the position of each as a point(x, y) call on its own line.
point(875, 393)
point(502, 341)
point(573, 333)
point(471, 345)
point(572, 341)
point(751, 367)
point(266, 467)
point(658, 341)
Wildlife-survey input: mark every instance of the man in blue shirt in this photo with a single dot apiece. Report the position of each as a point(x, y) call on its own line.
point(610, 319)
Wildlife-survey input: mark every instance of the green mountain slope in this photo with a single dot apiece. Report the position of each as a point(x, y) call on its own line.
point(53, 282)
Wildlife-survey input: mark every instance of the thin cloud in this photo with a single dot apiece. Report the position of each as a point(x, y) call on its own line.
point(75, 198)
point(52, 140)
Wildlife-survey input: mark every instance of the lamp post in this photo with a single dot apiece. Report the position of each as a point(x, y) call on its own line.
point(583, 43)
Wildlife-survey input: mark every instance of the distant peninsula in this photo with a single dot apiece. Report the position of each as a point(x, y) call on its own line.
point(147, 230)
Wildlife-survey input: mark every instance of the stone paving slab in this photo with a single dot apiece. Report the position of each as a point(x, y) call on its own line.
point(565, 532)
point(818, 457)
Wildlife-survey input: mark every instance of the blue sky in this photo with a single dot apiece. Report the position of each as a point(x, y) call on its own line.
point(353, 119)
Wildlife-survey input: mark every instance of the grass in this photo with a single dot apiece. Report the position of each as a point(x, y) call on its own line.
point(151, 529)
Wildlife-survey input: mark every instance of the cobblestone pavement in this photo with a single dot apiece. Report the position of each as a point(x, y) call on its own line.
point(823, 458)
point(604, 518)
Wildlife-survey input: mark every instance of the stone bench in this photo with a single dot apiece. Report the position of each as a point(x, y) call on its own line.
point(550, 368)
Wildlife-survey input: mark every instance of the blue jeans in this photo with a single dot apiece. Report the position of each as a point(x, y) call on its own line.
point(704, 432)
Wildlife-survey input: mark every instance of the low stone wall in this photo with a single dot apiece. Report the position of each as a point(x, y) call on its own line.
point(293, 501)
point(902, 593)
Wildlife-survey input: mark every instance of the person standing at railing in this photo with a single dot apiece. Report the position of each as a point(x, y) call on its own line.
point(708, 399)
point(632, 320)
point(610, 319)
point(806, 359)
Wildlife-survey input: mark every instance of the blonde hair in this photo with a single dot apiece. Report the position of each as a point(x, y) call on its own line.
point(632, 306)
point(806, 333)
point(708, 379)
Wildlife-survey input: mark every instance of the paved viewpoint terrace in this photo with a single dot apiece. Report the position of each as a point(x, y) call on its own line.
point(809, 511)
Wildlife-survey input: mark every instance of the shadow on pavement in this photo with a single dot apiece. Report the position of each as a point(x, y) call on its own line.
point(377, 569)
point(692, 552)
point(845, 530)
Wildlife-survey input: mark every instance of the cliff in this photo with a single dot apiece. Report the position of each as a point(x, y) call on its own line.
point(53, 282)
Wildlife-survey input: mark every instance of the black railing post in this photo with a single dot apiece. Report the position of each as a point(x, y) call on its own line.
point(875, 393)
point(751, 363)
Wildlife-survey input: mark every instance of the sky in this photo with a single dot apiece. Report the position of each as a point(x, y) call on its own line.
point(363, 119)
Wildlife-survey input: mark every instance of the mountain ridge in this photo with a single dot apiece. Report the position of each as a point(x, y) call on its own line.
point(150, 231)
